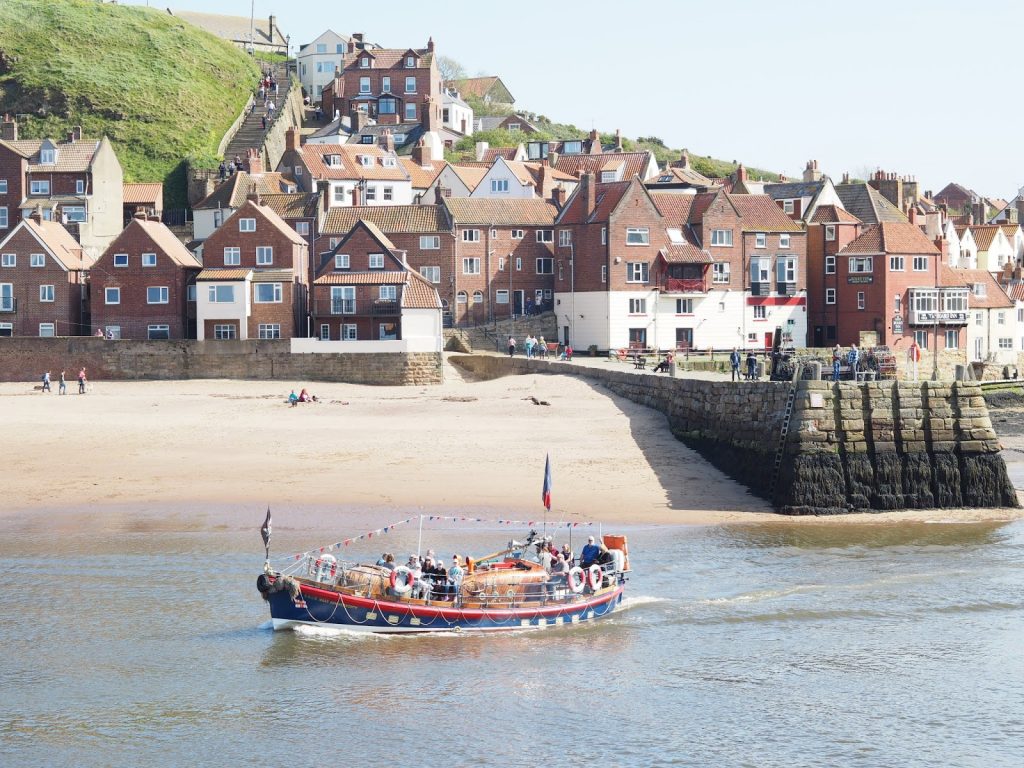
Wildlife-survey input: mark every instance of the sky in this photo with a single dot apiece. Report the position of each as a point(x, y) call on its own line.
point(897, 86)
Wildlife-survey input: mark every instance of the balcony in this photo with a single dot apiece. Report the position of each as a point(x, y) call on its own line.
point(8, 304)
point(684, 285)
point(786, 289)
point(383, 307)
point(938, 306)
point(343, 306)
point(761, 289)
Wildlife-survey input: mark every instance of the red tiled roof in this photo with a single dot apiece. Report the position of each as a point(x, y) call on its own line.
point(994, 298)
point(759, 213)
point(314, 156)
point(635, 164)
point(234, 191)
point(673, 206)
point(422, 176)
point(142, 192)
point(470, 174)
point(60, 242)
point(223, 274)
point(530, 212)
point(388, 58)
point(420, 293)
point(70, 157)
point(391, 219)
point(1017, 291)
point(833, 214)
point(1010, 230)
point(475, 86)
point(378, 277)
point(505, 153)
point(892, 237)
point(984, 234)
point(606, 197)
point(685, 253)
point(167, 242)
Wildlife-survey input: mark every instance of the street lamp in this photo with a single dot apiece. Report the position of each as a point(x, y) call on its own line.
point(572, 295)
point(935, 325)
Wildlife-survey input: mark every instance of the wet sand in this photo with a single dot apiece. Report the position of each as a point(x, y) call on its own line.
point(476, 447)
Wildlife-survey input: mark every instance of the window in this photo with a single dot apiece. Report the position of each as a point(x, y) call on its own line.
point(830, 265)
point(517, 234)
point(636, 272)
point(952, 339)
point(47, 329)
point(9, 260)
point(224, 331)
point(514, 127)
point(499, 185)
point(519, 263)
point(387, 106)
point(501, 297)
point(920, 263)
point(364, 63)
point(860, 264)
point(39, 187)
point(785, 269)
point(410, 84)
point(267, 293)
point(364, 85)
point(684, 306)
point(341, 261)
point(343, 299)
point(604, 235)
point(3, 186)
point(410, 110)
point(389, 192)
point(860, 299)
point(784, 241)
point(385, 86)
point(638, 306)
point(471, 266)
point(46, 293)
point(112, 296)
point(897, 264)
point(269, 330)
point(376, 261)
point(149, 259)
point(325, 332)
point(921, 337)
point(264, 255)
point(604, 273)
point(388, 293)
point(37, 260)
point(830, 295)
point(232, 257)
point(1000, 318)
point(222, 294)
point(609, 176)
point(897, 304)
point(978, 289)
point(302, 227)
point(545, 235)
point(501, 263)
point(1005, 343)
point(410, 62)
point(79, 187)
point(155, 332)
point(120, 259)
point(333, 242)
point(721, 237)
point(339, 194)
point(190, 292)
point(73, 213)
point(545, 266)
point(759, 269)
point(760, 312)
point(371, 193)
point(830, 232)
point(760, 240)
point(461, 297)
point(564, 238)
point(157, 295)
point(638, 236)
point(3, 217)
point(247, 225)
point(979, 318)
point(478, 297)
point(433, 274)
point(471, 235)
point(720, 272)
point(430, 242)
point(349, 332)
point(787, 206)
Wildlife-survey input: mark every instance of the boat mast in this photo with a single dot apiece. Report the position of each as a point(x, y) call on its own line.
point(419, 541)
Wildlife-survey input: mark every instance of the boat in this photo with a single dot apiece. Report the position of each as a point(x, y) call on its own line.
point(510, 589)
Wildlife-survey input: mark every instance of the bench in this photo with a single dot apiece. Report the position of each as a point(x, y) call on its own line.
point(640, 362)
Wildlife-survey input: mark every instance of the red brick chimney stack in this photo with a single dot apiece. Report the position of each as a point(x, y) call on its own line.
point(387, 140)
point(558, 196)
point(419, 154)
point(254, 162)
point(741, 174)
point(9, 129)
point(292, 140)
point(588, 194)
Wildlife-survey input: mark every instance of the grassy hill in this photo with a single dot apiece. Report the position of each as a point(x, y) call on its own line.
point(162, 90)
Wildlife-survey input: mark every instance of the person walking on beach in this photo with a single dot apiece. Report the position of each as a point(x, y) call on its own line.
point(734, 362)
point(81, 382)
point(511, 346)
point(62, 387)
point(529, 345)
point(46, 382)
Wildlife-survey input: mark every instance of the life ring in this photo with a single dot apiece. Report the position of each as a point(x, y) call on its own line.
point(575, 579)
point(594, 577)
point(401, 580)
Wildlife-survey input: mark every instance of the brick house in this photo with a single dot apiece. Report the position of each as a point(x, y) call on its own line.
point(255, 280)
point(892, 280)
point(76, 181)
point(143, 285)
point(231, 193)
point(364, 289)
point(43, 288)
point(829, 229)
point(504, 257)
point(147, 197)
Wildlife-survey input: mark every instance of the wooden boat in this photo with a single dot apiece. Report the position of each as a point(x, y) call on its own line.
point(506, 590)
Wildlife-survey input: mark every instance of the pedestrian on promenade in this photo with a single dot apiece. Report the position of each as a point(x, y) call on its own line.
point(511, 346)
point(853, 358)
point(734, 362)
point(529, 345)
point(81, 381)
point(751, 366)
point(62, 387)
point(46, 382)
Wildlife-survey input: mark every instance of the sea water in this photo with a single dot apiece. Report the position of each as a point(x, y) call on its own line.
point(747, 645)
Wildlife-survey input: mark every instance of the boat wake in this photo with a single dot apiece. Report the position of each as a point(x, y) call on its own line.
point(636, 602)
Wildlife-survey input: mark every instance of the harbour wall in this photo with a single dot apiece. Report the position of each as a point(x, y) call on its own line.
point(27, 358)
point(872, 447)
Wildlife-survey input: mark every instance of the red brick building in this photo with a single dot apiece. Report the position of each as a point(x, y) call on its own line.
point(255, 280)
point(143, 286)
point(43, 288)
point(830, 229)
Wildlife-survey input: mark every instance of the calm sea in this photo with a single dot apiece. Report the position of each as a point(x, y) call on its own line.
point(756, 645)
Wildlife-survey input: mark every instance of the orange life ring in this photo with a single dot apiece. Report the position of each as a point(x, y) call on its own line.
point(594, 577)
point(575, 579)
point(401, 584)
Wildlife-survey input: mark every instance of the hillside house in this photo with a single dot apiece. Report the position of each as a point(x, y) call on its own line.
point(247, 33)
point(318, 60)
point(230, 195)
point(145, 197)
point(490, 90)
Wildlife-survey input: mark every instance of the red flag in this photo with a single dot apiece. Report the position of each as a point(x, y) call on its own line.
point(545, 494)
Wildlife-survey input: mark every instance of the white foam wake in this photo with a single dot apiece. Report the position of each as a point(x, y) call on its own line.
point(638, 600)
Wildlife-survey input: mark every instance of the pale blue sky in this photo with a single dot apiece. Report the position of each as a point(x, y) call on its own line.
point(769, 83)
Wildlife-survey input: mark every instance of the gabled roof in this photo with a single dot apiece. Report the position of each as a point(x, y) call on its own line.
point(994, 296)
point(389, 58)
point(422, 176)
point(420, 293)
point(72, 157)
point(759, 213)
point(234, 28)
point(1010, 230)
point(58, 241)
point(492, 153)
point(349, 168)
point(528, 212)
point(165, 240)
point(984, 234)
point(1017, 291)
point(833, 214)
point(272, 218)
point(606, 198)
point(792, 190)
point(955, 189)
point(634, 163)
point(234, 190)
point(476, 86)
point(867, 204)
point(389, 219)
point(471, 175)
point(900, 237)
point(138, 193)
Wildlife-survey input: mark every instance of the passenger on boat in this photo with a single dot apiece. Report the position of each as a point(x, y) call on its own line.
point(559, 571)
point(389, 561)
point(454, 577)
point(567, 555)
point(589, 554)
point(382, 559)
point(440, 581)
point(546, 559)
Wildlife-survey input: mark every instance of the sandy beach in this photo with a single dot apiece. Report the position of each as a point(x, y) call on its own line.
point(472, 446)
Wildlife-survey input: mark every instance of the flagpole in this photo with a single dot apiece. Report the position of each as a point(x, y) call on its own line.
point(419, 542)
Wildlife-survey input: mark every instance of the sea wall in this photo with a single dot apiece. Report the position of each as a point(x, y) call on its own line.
point(851, 447)
point(26, 358)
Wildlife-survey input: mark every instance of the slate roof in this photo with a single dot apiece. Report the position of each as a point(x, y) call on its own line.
point(759, 213)
point(833, 214)
point(791, 190)
point(867, 204)
point(892, 237)
point(389, 219)
point(529, 212)
point(138, 193)
point(235, 190)
point(635, 164)
point(679, 176)
point(412, 132)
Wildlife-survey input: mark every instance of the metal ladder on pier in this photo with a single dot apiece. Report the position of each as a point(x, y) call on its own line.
point(780, 450)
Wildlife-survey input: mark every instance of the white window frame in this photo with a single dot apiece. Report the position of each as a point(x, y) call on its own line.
point(371, 193)
point(721, 272)
point(111, 295)
point(162, 296)
point(214, 294)
point(501, 296)
point(604, 273)
point(47, 330)
point(684, 306)
point(830, 295)
point(564, 238)
point(432, 274)
point(4, 221)
point(302, 228)
point(830, 232)
point(232, 256)
point(545, 265)
point(158, 328)
point(264, 255)
point(499, 185)
point(46, 293)
point(410, 84)
point(545, 235)
point(225, 331)
point(519, 263)
point(861, 300)
point(149, 259)
point(784, 241)
point(120, 260)
point(276, 293)
point(638, 236)
point(430, 242)
point(364, 86)
point(349, 332)
point(471, 265)
point(268, 331)
point(721, 238)
point(760, 312)
point(760, 269)
point(375, 261)
point(342, 261)
point(9, 260)
point(517, 234)
point(410, 110)
point(471, 235)
point(604, 235)
point(897, 264)
point(830, 265)
point(760, 240)
point(638, 272)
point(79, 187)
point(37, 260)
point(346, 296)
point(387, 292)
point(920, 264)
point(955, 336)
point(247, 225)
point(787, 207)
point(861, 265)
point(39, 187)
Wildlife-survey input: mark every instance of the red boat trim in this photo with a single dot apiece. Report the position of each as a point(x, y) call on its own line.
point(457, 614)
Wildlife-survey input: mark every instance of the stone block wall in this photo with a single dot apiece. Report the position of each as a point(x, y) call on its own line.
point(851, 447)
point(26, 358)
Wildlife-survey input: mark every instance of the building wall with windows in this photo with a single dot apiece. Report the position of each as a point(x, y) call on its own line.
point(318, 60)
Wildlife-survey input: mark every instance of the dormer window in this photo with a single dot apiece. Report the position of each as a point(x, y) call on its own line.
point(978, 289)
point(334, 161)
point(47, 156)
point(410, 62)
point(365, 160)
point(607, 176)
point(388, 162)
point(572, 147)
point(366, 138)
point(364, 62)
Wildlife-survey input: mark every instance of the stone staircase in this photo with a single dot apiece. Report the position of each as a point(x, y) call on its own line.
point(251, 132)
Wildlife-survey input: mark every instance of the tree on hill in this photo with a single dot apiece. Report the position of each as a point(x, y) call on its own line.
point(450, 69)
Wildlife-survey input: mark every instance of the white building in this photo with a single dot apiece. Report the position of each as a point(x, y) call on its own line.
point(456, 115)
point(318, 60)
point(992, 328)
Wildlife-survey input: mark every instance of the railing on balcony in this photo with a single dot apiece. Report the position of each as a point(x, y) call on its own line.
point(786, 289)
point(760, 289)
point(684, 285)
point(343, 306)
point(8, 304)
point(385, 307)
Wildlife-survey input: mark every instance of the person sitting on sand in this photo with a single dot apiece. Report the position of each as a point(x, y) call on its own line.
point(305, 397)
point(293, 398)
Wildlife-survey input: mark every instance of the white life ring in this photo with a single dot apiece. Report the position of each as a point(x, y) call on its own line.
point(574, 579)
point(402, 580)
point(326, 568)
point(595, 577)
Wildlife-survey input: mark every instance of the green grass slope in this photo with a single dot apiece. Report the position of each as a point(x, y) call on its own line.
point(161, 89)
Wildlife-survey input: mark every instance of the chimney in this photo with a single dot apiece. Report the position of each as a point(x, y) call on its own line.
point(943, 245)
point(140, 214)
point(9, 129)
point(355, 195)
point(741, 174)
point(429, 118)
point(430, 45)
point(419, 154)
point(912, 214)
point(970, 219)
point(357, 37)
point(552, 159)
point(291, 140)
point(76, 133)
point(253, 161)
point(37, 214)
point(439, 194)
point(387, 140)
point(270, 27)
point(684, 160)
point(325, 197)
point(595, 142)
point(254, 195)
point(846, 178)
point(618, 140)
point(70, 138)
point(558, 197)
point(481, 150)
point(154, 218)
point(1020, 209)
point(588, 193)
point(979, 213)
point(811, 172)
point(358, 119)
